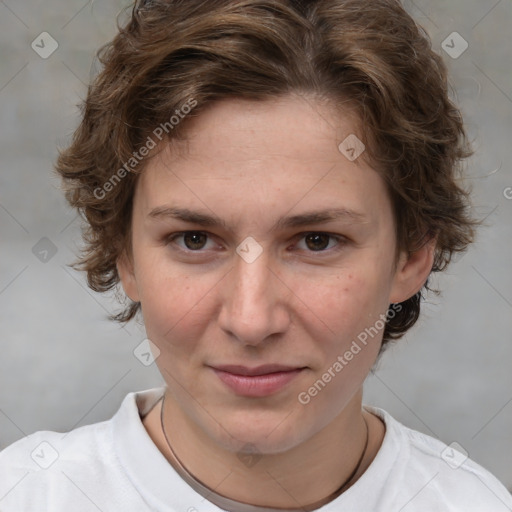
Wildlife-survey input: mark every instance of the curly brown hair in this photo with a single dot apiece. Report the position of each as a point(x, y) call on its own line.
point(370, 54)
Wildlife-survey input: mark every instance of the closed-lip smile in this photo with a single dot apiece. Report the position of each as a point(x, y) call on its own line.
point(259, 381)
point(264, 369)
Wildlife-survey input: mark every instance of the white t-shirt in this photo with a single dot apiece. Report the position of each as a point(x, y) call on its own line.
point(115, 466)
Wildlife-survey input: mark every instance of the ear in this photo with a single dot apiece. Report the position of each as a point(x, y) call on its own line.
point(125, 269)
point(412, 272)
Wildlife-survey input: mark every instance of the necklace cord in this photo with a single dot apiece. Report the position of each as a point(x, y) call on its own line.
point(337, 492)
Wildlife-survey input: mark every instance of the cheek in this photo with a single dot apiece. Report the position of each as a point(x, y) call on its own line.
point(175, 305)
point(347, 308)
point(177, 311)
point(343, 300)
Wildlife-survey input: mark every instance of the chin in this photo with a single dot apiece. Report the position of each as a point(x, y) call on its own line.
point(264, 432)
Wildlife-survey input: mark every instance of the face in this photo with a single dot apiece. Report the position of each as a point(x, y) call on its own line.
point(231, 267)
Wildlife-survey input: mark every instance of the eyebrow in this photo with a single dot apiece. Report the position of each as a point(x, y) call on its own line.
point(293, 221)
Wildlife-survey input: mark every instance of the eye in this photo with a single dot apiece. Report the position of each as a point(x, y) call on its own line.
point(192, 240)
point(320, 242)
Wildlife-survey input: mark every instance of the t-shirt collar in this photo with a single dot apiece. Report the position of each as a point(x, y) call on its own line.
point(162, 487)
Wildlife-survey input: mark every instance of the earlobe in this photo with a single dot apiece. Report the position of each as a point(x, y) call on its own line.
point(412, 272)
point(126, 272)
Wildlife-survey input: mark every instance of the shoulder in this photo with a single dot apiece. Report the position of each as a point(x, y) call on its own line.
point(36, 466)
point(72, 468)
point(429, 473)
point(41, 450)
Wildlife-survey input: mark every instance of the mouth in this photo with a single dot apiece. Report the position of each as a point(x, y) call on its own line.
point(259, 381)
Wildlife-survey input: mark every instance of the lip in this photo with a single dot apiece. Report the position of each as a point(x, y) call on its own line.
point(259, 381)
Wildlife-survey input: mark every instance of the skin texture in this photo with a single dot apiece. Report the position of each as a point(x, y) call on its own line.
point(251, 163)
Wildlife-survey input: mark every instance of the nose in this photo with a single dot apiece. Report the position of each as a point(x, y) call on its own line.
point(254, 302)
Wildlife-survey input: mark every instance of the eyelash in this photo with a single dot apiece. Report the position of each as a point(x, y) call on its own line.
point(341, 241)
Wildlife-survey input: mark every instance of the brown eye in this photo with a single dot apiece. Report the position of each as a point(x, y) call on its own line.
point(323, 244)
point(189, 242)
point(194, 240)
point(317, 241)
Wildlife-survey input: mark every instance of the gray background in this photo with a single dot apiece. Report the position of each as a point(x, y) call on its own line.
point(63, 364)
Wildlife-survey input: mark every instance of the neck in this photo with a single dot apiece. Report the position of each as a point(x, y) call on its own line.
point(281, 480)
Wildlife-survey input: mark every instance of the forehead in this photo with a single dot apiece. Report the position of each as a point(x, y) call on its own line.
point(292, 127)
point(283, 153)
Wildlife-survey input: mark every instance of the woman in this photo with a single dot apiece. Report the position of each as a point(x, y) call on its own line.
point(272, 183)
